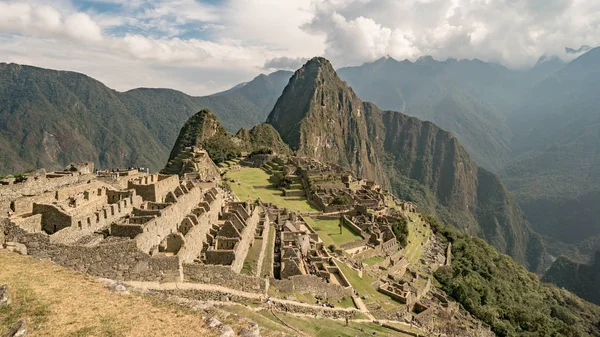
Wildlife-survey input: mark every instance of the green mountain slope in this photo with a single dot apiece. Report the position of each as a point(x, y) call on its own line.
point(581, 279)
point(320, 116)
point(49, 118)
point(504, 295)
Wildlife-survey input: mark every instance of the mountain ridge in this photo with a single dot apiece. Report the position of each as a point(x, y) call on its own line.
point(319, 115)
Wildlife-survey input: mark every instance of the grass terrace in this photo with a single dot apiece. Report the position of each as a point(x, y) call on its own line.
point(329, 231)
point(251, 263)
point(418, 233)
point(254, 183)
point(373, 260)
point(320, 327)
point(363, 286)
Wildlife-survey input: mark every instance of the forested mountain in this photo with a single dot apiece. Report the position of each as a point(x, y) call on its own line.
point(49, 118)
point(556, 172)
point(469, 98)
point(320, 116)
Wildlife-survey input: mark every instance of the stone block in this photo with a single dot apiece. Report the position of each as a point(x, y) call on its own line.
point(16, 247)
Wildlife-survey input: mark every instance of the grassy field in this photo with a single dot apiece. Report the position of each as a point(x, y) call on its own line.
point(373, 260)
point(329, 231)
point(254, 183)
point(55, 301)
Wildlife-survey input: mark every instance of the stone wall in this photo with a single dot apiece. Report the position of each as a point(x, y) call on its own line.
point(156, 230)
point(349, 223)
point(196, 236)
point(247, 238)
point(32, 186)
point(354, 244)
point(311, 284)
point(154, 187)
point(223, 276)
point(120, 261)
point(31, 224)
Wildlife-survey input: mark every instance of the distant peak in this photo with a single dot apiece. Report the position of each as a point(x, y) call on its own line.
point(581, 49)
point(426, 59)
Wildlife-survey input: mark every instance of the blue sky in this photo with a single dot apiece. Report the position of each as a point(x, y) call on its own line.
point(201, 47)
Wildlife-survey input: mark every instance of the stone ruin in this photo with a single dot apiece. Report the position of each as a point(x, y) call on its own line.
point(133, 226)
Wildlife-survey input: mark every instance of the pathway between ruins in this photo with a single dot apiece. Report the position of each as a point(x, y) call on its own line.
point(217, 288)
point(362, 307)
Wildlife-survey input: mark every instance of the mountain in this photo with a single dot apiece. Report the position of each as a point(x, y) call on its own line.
point(556, 170)
point(261, 137)
point(49, 118)
point(203, 130)
point(469, 98)
point(581, 279)
point(320, 116)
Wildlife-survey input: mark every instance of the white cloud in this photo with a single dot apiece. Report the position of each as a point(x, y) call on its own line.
point(80, 26)
point(284, 62)
point(202, 47)
point(515, 33)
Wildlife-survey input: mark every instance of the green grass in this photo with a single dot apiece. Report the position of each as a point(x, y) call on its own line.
point(373, 260)
point(254, 183)
point(268, 259)
point(414, 249)
point(329, 231)
point(251, 262)
point(320, 327)
point(363, 286)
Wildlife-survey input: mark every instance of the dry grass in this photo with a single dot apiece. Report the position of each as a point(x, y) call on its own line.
point(55, 301)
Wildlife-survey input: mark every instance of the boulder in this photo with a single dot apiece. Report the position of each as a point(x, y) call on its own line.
point(4, 298)
point(16, 247)
point(226, 331)
point(17, 330)
point(252, 331)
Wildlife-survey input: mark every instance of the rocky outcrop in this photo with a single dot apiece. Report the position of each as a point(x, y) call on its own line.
point(262, 137)
point(319, 116)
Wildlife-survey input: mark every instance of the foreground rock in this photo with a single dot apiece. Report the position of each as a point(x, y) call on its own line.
point(17, 330)
point(16, 247)
point(4, 297)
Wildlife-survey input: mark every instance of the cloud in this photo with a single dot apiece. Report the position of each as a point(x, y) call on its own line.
point(285, 63)
point(80, 26)
point(515, 33)
point(202, 47)
point(46, 21)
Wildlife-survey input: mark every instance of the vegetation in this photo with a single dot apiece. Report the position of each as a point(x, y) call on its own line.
point(221, 149)
point(49, 118)
point(261, 151)
point(400, 230)
point(281, 181)
point(341, 200)
point(503, 294)
point(581, 279)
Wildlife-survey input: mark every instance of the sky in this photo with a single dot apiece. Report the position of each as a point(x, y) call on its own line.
point(205, 46)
